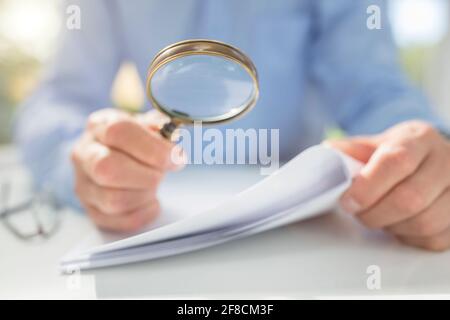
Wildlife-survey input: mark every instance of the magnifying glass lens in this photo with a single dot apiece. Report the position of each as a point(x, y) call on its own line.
point(202, 87)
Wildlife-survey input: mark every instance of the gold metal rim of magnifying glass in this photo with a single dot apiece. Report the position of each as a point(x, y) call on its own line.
point(203, 47)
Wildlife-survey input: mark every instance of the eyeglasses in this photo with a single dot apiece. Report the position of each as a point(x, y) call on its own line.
point(36, 217)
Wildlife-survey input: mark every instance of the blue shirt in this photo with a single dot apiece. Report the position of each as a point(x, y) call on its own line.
point(317, 60)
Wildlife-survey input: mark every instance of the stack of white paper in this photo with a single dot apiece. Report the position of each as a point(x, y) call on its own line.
point(308, 185)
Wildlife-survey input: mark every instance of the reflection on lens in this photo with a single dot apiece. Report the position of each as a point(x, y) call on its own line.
point(202, 87)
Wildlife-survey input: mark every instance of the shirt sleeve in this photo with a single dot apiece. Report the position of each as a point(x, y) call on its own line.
point(76, 82)
point(357, 72)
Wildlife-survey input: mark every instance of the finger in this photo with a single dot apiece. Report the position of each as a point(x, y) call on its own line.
point(110, 168)
point(439, 242)
point(132, 221)
point(359, 148)
point(124, 133)
point(110, 201)
point(153, 120)
point(432, 221)
point(391, 163)
point(410, 197)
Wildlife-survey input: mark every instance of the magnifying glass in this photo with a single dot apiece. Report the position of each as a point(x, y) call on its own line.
point(201, 80)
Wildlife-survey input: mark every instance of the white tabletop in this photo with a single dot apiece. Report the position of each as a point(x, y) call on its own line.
point(324, 257)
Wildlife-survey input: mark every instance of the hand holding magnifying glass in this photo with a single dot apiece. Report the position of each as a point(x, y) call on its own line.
point(119, 163)
point(201, 80)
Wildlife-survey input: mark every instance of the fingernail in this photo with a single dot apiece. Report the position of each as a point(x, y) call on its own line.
point(349, 205)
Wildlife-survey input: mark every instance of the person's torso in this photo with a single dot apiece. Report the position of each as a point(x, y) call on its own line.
point(275, 34)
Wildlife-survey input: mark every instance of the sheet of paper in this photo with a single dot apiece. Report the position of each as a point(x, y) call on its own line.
point(309, 184)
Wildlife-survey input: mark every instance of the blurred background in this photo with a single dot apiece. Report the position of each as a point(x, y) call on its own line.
point(28, 31)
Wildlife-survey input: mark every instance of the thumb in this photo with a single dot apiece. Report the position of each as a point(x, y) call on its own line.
point(153, 120)
point(360, 148)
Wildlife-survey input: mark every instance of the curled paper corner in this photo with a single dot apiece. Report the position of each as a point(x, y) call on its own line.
point(353, 166)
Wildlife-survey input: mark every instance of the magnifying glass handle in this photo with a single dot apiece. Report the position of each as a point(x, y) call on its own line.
point(168, 129)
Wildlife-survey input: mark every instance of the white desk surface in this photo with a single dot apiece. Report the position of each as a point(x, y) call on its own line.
point(325, 257)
